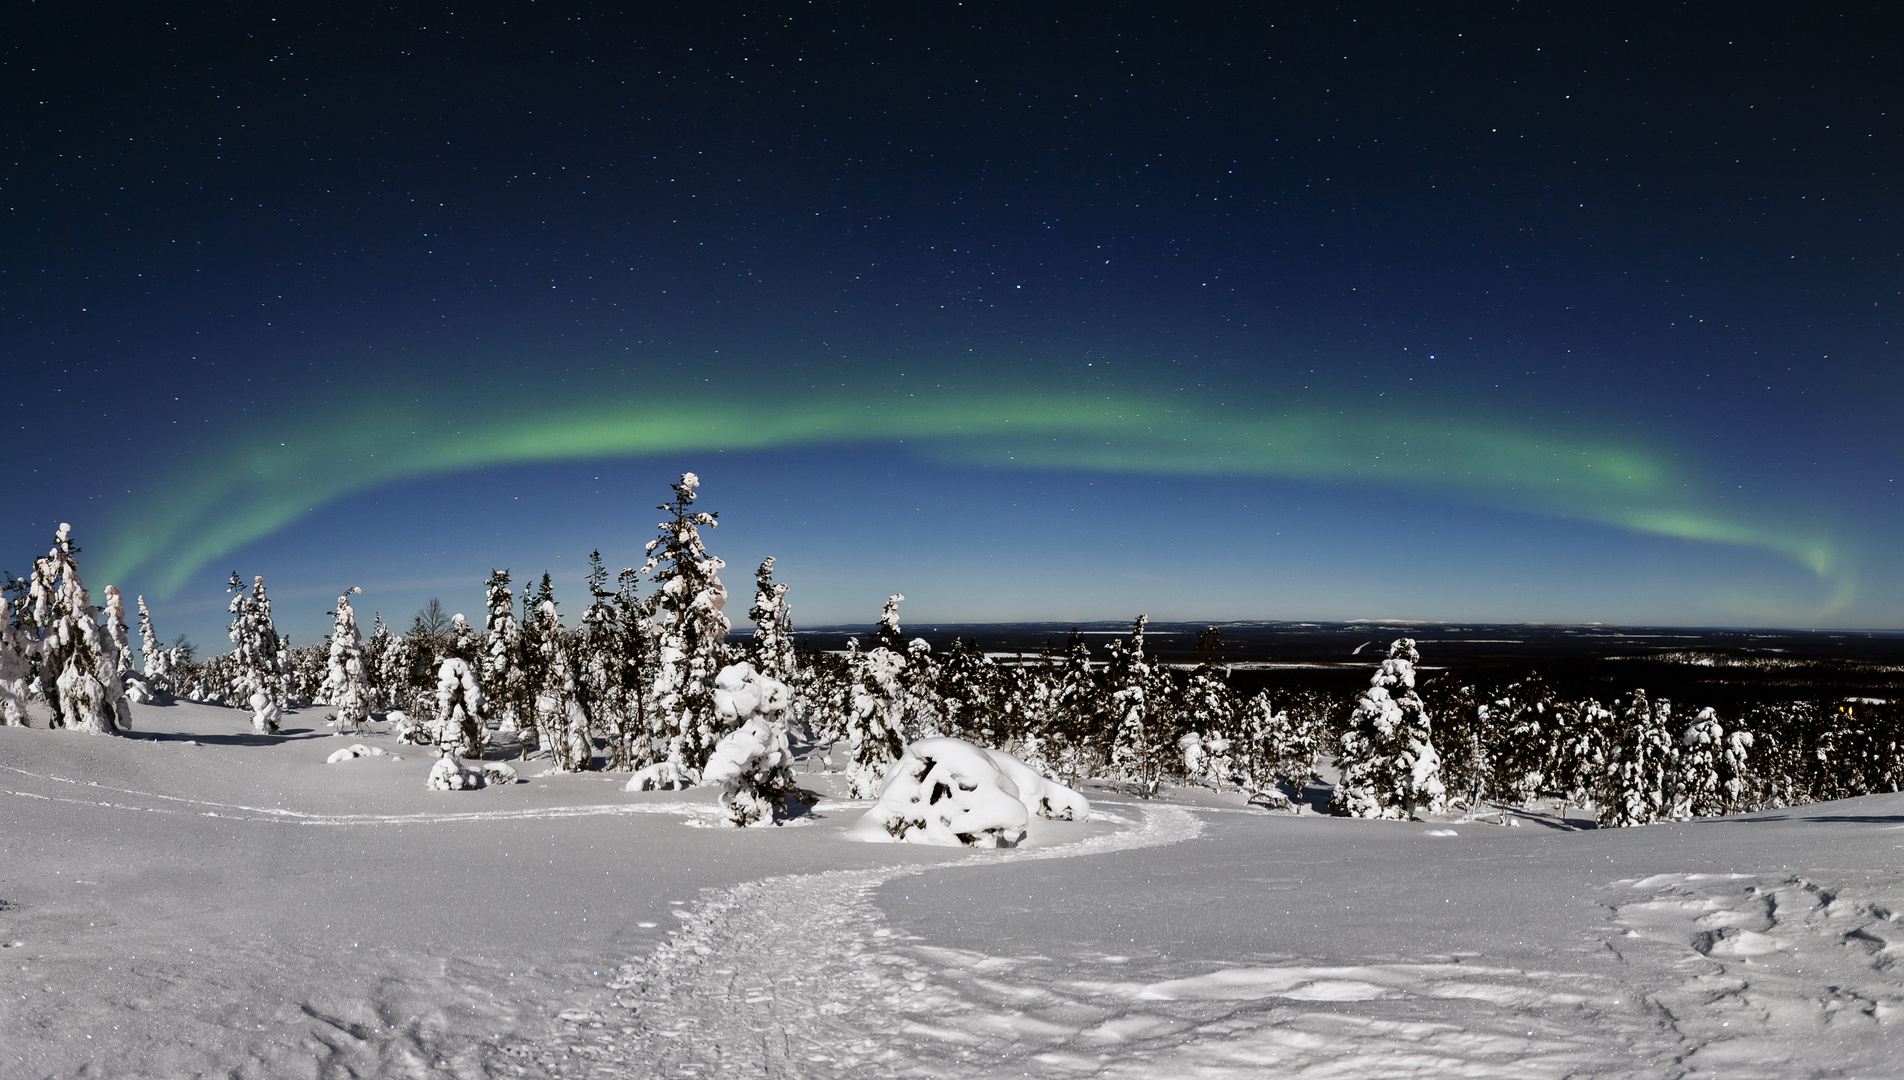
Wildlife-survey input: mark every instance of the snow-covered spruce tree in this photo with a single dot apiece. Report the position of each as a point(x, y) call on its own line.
point(460, 708)
point(1273, 748)
point(502, 670)
point(1389, 765)
point(15, 669)
point(752, 762)
point(1208, 711)
point(1637, 787)
point(116, 631)
point(159, 660)
point(561, 723)
point(1526, 730)
point(596, 652)
point(875, 717)
point(1712, 769)
point(1077, 713)
point(637, 742)
point(346, 681)
point(688, 627)
point(75, 650)
point(462, 642)
point(255, 648)
point(1136, 755)
point(773, 625)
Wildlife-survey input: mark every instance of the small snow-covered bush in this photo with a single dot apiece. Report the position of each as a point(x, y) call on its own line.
point(451, 774)
point(264, 713)
point(947, 791)
point(663, 776)
point(752, 763)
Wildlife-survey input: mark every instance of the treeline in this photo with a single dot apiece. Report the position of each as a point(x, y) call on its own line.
point(632, 686)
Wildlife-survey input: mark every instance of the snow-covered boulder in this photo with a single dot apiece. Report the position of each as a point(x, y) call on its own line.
point(265, 713)
point(663, 776)
point(1041, 795)
point(946, 791)
point(450, 773)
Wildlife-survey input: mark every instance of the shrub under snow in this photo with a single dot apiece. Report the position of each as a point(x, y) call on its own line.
point(947, 791)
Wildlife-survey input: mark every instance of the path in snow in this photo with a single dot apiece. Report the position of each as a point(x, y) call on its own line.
point(784, 977)
point(1726, 975)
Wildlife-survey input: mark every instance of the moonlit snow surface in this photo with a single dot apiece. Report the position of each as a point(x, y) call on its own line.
point(201, 899)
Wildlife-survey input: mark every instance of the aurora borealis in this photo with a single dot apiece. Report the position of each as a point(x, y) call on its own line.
point(1057, 314)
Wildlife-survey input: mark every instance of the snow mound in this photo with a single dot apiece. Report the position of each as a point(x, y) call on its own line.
point(1042, 796)
point(663, 776)
point(947, 792)
point(451, 773)
point(354, 750)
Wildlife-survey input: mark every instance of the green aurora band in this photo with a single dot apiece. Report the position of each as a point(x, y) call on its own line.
point(262, 485)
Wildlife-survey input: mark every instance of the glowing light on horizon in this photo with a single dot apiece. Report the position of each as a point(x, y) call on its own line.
point(259, 486)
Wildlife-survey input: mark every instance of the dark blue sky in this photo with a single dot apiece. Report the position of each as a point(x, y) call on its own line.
point(1499, 312)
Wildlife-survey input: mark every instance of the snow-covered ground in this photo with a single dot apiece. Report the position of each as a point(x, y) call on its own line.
point(202, 900)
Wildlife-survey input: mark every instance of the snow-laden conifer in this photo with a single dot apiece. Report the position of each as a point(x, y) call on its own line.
point(15, 669)
point(875, 717)
point(1639, 777)
point(1527, 725)
point(255, 649)
point(116, 632)
point(1712, 765)
point(460, 709)
point(74, 649)
point(1275, 746)
point(560, 719)
point(1208, 709)
point(773, 625)
point(688, 626)
point(346, 682)
point(1389, 765)
point(1077, 708)
point(752, 762)
point(502, 669)
point(1137, 755)
point(159, 660)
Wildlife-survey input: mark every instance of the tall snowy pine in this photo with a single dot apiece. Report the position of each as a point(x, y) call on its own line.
point(1136, 753)
point(1638, 781)
point(74, 649)
point(1389, 765)
point(773, 625)
point(15, 669)
point(256, 650)
point(346, 680)
point(688, 627)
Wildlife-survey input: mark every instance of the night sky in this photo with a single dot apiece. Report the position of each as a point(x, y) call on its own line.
point(1467, 312)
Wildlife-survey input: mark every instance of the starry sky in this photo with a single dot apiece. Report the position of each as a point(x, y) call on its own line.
point(1500, 312)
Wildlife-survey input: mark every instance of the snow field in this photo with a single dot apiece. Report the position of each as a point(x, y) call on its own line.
point(201, 900)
